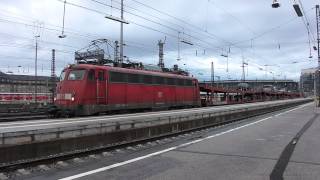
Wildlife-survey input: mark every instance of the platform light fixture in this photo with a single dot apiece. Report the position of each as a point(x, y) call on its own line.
point(275, 4)
point(298, 10)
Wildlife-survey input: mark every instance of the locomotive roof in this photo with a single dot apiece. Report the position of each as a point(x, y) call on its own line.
point(127, 70)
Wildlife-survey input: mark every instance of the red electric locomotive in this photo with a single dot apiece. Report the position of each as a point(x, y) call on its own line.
point(87, 89)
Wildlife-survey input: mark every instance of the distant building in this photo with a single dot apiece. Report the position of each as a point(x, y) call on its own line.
point(307, 81)
point(17, 92)
point(10, 83)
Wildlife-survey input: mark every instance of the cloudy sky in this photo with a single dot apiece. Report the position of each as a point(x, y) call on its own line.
point(273, 42)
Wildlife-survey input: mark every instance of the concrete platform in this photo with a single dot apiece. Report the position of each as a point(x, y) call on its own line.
point(249, 150)
point(25, 141)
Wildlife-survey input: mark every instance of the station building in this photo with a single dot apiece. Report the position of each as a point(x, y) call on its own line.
point(307, 81)
point(11, 83)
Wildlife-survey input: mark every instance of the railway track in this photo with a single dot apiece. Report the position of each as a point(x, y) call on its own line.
point(39, 114)
point(21, 116)
point(7, 168)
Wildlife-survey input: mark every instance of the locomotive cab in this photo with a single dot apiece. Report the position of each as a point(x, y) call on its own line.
point(80, 86)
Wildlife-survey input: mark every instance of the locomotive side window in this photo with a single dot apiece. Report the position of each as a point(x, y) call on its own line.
point(171, 81)
point(180, 82)
point(134, 78)
point(101, 76)
point(147, 79)
point(91, 75)
point(118, 77)
point(76, 74)
point(62, 76)
point(159, 80)
point(188, 82)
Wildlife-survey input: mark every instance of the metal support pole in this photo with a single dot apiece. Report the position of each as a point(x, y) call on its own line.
point(53, 75)
point(179, 58)
point(317, 78)
point(243, 73)
point(116, 52)
point(36, 72)
point(212, 83)
point(121, 36)
point(212, 74)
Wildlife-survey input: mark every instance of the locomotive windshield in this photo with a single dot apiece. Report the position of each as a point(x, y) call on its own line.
point(62, 76)
point(76, 74)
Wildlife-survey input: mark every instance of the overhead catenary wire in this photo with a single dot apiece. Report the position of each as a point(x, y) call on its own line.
point(164, 32)
point(147, 27)
point(141, 24)
point(77, 34)
point(72, 52)
point(161, 24)
point(231, 44)
point(307, 20)
point(234, 17)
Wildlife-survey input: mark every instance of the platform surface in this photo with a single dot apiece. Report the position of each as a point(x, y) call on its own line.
point(284, 144)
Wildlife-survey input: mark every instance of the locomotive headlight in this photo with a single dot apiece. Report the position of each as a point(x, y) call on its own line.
point(54, 99)
point(72, 96)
